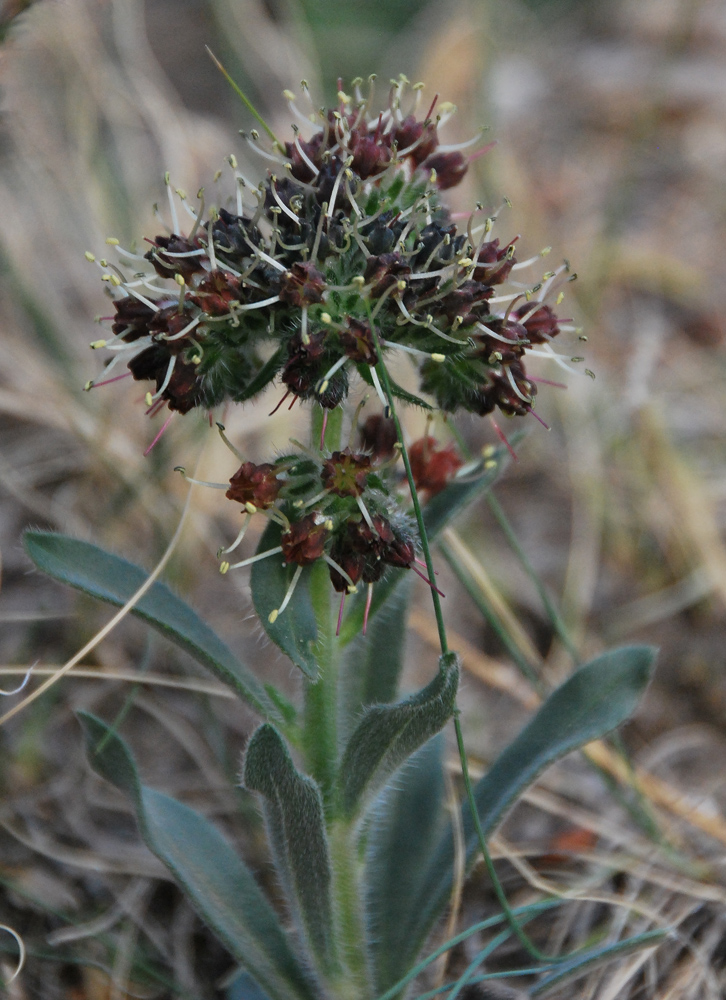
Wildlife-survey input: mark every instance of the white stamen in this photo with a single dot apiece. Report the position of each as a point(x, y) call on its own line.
point(254, 559)
point(172, 206)
point(184, 332)
point(240, 536)
point(339, 569)
point(364, 511)
point(379, 390)
point(273, 616)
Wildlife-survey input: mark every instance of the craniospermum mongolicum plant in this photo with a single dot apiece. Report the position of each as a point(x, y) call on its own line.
point(342, 258)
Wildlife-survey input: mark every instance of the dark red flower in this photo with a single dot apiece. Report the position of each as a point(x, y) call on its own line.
point(450, 169)
point(541, 324)
point(357, 341)
point(378, 435)
point(304, 542)
point(433, 467)
point(166, 266)
point(345, 474)
point(255, 484)
point(302, 285)
point(493, 263)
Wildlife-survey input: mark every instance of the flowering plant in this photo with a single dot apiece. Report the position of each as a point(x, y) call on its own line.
point(344, 257)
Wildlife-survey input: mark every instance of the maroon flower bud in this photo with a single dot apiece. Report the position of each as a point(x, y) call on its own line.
point(501, 392)
point(494, 350)
point(132, 316)
point(312, 150)
point(304, 542)
point(422, 136)
point(166, 266)
point(357, 341)
point(450, 169)
point(302, 285)
point(460, 301)
point(493, 263)
point(378, 435)
point(371, 153)
point(352, 562)
point(214, 294)
point(255, 484)
point(182, 391)
point(384, 270)
point(433, 467)
point(345, 474)
point(541, 324)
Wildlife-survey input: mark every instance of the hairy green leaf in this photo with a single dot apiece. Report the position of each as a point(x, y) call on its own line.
point(263, 377)
point(216, 880)
point(295, 631)
point(294, 813)
point(109, 578)
point(405, 828)
point(387, 735)
point(592, 702)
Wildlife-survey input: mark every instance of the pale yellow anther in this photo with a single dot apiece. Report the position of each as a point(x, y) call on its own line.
point(232, 161)
point(95, 344)
point(217, 175)
point(305, 337)
point(115, 280)
point(418, 86)
point(323, 386)
point(326, 318)
point(465, 262)
point(488, 450)
point(182, 193)
point(88, 385)
point(342, 96)
point(166, 177)
point(352, 589)
point(329, 525)
point(543, 253)
point(288, 95)
point(89, 256)
point(446, 107)
point(401, 286)
point(358, 280)
point(559, 298)
point(223, 567)
point(433, 177)
point(112, 241)
point(105, 277)
point(179, 278)
point(528, 295)
point(148, 399)
point(272, 617)
point(250, 508)
point(196, 360)
point(491, 464)
point(103, 262)
point(298, 503)
point(438, 357)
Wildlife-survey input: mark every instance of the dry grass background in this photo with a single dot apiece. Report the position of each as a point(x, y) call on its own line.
point(611, 129)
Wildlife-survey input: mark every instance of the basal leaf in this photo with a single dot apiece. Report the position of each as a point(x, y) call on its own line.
point(214, 877)
point(387, 735)
point(405, 828)
point(294, 812)
point(295, 631)
point(593, 701)
point(109, 578)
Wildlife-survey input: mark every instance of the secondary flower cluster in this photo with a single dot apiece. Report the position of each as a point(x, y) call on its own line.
point(343, 253)
point(341, 506)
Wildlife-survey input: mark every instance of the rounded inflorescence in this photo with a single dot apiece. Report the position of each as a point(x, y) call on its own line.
point(342, 254)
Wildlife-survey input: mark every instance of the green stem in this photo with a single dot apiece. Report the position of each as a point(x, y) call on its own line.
point(349, 920)
point(320, 718)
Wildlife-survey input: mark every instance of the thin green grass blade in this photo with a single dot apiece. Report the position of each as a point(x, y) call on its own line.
point(114, 580)
point(215, 879)
point(582, 964)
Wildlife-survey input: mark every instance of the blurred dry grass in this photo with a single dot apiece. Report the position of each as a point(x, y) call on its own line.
point(612, 147)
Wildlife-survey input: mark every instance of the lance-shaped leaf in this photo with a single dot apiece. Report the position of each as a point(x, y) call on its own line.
point(295, 631)
point(294, 813)
point(438, 513)
point(217, 881)
point(592, 702)
point(406, 826)
point(263, 377)
point(387, 735)
point(109, 578)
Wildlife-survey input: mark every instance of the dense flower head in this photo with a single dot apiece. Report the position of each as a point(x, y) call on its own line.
point(347, 507)
point(344, 254)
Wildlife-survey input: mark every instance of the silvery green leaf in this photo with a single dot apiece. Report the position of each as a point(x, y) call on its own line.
point(294, 813)
point(387, 735)
point(214, 877)
point(109, 578)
